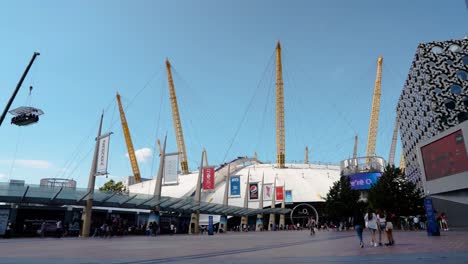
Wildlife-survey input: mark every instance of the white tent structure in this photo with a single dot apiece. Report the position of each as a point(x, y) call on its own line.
point(308, 182)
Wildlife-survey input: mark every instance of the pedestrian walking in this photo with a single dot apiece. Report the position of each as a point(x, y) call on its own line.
point(381, 224)
point(371, 220)
point(359, 223)
point(42, 230)
point(389, 232)
point(58, 231)
point(443, 222)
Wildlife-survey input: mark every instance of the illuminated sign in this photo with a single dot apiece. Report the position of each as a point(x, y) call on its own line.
point(444, 157)
point(363, 181)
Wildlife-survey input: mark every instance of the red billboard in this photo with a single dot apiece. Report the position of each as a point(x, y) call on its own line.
point(279, 193)
point(208, 179)
point(444, 157)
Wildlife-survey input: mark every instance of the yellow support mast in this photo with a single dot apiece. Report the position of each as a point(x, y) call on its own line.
point(176, 120)
point(374, 120)
point(280, 132)
point(402, 161)
point(128, 140)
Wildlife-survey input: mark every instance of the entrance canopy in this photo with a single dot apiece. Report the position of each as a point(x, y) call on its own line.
point(59, 196)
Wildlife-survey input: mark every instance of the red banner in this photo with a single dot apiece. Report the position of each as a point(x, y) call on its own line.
point(279, 193)
point(208, 179)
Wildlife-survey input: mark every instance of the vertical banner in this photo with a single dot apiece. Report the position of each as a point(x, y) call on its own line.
point(234, 186)
point(253, 191)
point(103, 154)
point(432, 226)
point(288, 199)
point(267, 191)
point(171, 164)
point(208, 178)
point(279, 193)
point(210, 225)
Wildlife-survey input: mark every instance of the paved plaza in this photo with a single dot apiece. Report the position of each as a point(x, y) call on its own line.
point(252, 247)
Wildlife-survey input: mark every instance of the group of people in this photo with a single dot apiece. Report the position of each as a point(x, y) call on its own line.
point(375, 222)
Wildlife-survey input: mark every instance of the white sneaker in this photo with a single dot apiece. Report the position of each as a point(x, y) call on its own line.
point(375, 244)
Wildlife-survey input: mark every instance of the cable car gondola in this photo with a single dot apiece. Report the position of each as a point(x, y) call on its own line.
point(25, 115)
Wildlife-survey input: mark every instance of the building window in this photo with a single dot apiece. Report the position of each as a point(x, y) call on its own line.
point(454, 48)
point(462, 75)
point(462, 117)
point(449, 103)
point(437, 50)
point(456, 89)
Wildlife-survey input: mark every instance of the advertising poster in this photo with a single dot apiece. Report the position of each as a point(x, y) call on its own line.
point(288, 199)
point(171, 164)
point(222, 223)
point(279, 193)
point(208, 179)
point(253, 191)
point(4, 215)
point(364, 181)
point(267, 191)
point(444, 157)
point(259, 224)
point(234, 186)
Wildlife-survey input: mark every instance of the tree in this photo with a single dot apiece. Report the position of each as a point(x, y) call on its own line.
point(341, 200)
point(113, 186)
point(394, 193)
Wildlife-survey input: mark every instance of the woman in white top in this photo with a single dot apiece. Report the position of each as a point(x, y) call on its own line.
point(371, 220)
point(381, 221)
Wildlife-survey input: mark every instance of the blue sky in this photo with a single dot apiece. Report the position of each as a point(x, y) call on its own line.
point(222, 53)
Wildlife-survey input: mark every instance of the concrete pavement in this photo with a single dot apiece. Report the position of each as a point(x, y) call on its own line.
point(252, 247)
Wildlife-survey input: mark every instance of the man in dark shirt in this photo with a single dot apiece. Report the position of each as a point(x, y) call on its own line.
point(358, 222)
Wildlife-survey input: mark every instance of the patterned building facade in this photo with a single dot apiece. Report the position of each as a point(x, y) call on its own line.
point(434, 97)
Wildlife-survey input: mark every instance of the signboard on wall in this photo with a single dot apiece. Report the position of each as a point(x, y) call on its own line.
point(234, 186)
point(253, 191)
point(208, 179)
point(444, 157)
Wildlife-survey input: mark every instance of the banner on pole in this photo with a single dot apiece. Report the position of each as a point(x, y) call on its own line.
point(267, 191)
point(103, 154)
point(253, 191)
point(288, 199)
point(208, 178)
point(234, 186)
point(279, 193)
point(171, 165)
